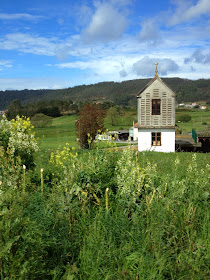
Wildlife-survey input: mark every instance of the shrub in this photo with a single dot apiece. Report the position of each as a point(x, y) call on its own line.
point(18, 140)
point(41, 120)
point(50, 111)
point(184, 118)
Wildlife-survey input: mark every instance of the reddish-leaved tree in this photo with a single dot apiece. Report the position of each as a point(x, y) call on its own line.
point(91, 120)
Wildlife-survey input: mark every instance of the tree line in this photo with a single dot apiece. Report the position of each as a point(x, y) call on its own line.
point(123, 93)
point(53, 108)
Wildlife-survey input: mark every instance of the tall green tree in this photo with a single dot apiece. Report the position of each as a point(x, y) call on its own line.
point(14, 109)
point(113, 116)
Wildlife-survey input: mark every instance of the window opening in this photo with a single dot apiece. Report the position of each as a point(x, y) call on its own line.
point(155, 106)
point(156, 138)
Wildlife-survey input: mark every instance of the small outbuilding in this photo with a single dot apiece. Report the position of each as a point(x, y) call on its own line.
point(156, 116)
point(133, 132)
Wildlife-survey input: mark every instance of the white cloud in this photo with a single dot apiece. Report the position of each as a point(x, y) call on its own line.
point(5, 64)
point(102, 66)
point(186, 11)
point(188, 35)
point(84, 15)
point(28, 44)
point(123, 73)
point(19, 16)
point(164, 27)
point(145, 67)
point(149, 32)
point(39, 45)
point(199, 56)
point(62, 52)
point(107, 23)
point(33, 83)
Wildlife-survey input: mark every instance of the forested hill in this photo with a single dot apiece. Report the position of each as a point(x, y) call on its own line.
point(123, 93)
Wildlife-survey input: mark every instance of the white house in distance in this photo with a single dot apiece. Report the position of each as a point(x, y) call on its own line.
point(133, 132)
point(156, 117)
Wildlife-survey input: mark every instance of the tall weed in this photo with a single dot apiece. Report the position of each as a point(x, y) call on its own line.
point(151, 224)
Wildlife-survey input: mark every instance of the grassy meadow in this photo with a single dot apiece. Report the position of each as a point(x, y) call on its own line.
point(62, 130)
point(105, 214)
point(200, 121)
point(102, 214)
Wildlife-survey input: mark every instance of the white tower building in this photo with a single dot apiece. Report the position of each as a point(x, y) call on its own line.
point(156, 116)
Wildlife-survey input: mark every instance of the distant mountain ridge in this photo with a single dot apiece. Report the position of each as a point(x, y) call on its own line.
point(122, 93)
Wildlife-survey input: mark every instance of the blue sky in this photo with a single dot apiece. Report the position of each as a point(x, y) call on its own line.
point(63, 43)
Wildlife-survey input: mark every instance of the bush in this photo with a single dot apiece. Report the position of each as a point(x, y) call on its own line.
point(41, 120)
point(50, 111)
point(18, 140)
point(184, 118)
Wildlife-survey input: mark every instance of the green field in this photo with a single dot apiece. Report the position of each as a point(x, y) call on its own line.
point(196, 123)
point(63, 131)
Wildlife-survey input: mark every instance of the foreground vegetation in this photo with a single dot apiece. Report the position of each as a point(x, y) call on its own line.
point(101, 213)
point(104, 214)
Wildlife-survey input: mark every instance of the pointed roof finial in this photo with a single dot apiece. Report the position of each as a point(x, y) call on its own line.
point(156, 70)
